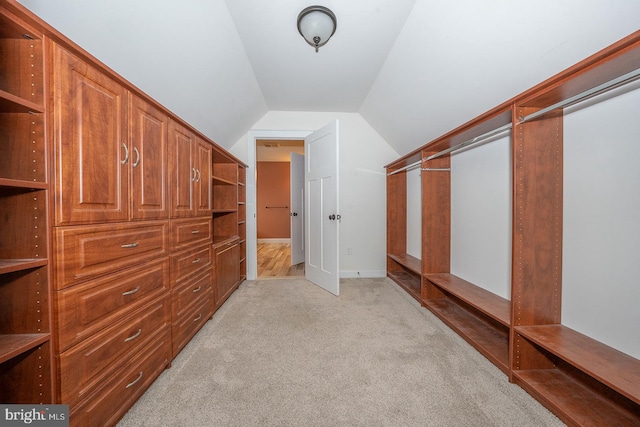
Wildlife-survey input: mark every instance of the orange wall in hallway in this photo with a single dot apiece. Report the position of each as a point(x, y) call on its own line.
point(272, 192)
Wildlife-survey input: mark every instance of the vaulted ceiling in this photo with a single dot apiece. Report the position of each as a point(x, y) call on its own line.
point(413, 69)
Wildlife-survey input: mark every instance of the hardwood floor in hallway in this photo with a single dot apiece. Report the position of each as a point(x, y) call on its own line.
point(274, 260)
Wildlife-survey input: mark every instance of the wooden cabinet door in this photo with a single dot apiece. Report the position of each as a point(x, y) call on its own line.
point(227, 270)
point(182, 170)
point(91, 149)
point(203, 180)
point(148, 159)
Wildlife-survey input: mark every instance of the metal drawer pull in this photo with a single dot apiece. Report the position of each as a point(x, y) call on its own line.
point(135, 381)
point(195, 261)
point(134, 336)
point(195, 232)
point(137, 162)
point(131, 292)
point(197, 289)
point(198, 318)
point(126, 154)
point(130, 245)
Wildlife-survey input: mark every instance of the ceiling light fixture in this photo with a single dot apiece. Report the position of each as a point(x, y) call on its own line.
point(317, 24)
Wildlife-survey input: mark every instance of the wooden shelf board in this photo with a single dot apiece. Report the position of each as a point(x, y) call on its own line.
point(410, 262)
point(10, 103)
point(488, 340)
point(224, 210)
point(572, 401)
point(223, 240)
point(482, 300)
point(408, 282)
point(19, 183)
point(12, 265)
point(12, 345)
point(224, 181)
point(611, 367)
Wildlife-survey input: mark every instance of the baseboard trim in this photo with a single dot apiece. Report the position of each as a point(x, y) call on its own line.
point(277, 240)
point(370, 274)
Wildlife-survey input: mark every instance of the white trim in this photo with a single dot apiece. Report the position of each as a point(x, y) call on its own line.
point(363, 274)
point(252, 237)
point(275, 240)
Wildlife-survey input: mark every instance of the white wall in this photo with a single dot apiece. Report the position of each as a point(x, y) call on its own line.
point(601, 230)
point(481, 215)
point(363, 154)
point(414, 213)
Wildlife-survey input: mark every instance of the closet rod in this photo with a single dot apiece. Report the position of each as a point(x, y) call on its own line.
point(406, 168)
point(480, 138)
point(437, 169)
point(597, 90)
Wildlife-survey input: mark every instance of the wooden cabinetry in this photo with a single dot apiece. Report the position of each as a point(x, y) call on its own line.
point(227, 269)
point(583, 381)
point(242, 219)
point(190, 170)
point(25, 334)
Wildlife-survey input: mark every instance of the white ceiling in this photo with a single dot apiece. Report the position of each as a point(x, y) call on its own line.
point(413, 69)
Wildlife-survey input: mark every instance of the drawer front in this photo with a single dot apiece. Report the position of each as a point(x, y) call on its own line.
point(185, 232)
point(191, 292)
point(91, 362)
point(119, 392)
point(191, 262)
point(187, 325)
point(85, 252)
point(86, 308)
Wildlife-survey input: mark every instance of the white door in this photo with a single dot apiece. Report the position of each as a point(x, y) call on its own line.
point(297, 208)
point(321, 207)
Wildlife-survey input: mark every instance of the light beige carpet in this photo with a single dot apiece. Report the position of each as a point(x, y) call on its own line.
point(287, 353)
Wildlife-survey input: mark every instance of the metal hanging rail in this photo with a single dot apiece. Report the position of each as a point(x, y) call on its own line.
point(406, 168)
point(597, 90)
point(483, 137)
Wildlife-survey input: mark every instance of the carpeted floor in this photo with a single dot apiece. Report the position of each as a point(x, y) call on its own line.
point(287, 353)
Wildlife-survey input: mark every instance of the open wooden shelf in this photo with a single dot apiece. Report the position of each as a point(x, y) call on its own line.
point(489, 304)
point(611, 367)
point(410, 262)
point(404, 269)
point(222, 181)
point(12, 265)
point(19, 183)
point(12, 345)
point(10, 103)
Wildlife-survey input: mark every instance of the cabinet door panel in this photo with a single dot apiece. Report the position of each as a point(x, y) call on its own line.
point(182, 170)
point(227, 270)
point(91, 148)
point(148, 161)
point(203, 181)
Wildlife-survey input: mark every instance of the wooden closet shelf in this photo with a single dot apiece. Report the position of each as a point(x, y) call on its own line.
point(12, 265)
point(408, 282)
point(408, 261)
point(19, 183)
point(12, 345)
point(611, 367)
point(480, 299)
point(487, 339)
point(224, 181)
point(10, 103)
point(572, 401)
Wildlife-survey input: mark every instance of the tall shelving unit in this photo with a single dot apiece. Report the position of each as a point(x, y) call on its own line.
point(583, 381)
point(242, 219)
point(25, 335)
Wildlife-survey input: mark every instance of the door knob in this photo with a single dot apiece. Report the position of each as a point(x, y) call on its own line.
point(294, 213)
point(332, 217)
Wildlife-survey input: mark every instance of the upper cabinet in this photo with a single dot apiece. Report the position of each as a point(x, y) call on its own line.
point(109, 144)
point(190, 172)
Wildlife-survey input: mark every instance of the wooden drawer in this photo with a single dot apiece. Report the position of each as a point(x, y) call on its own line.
point(186, 232)
point(86, 308)
point(188, 324)
point(84, 252)
point(191, 292)
point(88, 364)
point(119, 392)
point(190, 262)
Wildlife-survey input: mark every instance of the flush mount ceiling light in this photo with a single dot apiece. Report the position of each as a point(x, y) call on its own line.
point(317, 24)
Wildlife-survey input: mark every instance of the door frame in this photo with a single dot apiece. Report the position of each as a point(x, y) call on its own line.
point(252, 225)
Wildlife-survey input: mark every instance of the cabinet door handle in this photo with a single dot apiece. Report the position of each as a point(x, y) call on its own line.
point(134, 336)
point(199, 175)
point(135, 381)
point(126, 154)
point(195, 232)
point(195, 261)
point(130, 245)
point(198, 317)
point(197, 289)
point(131, 292)
point(137, 162)
point(193, 177)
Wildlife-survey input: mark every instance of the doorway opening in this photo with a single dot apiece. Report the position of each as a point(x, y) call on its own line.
point(275, 208)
